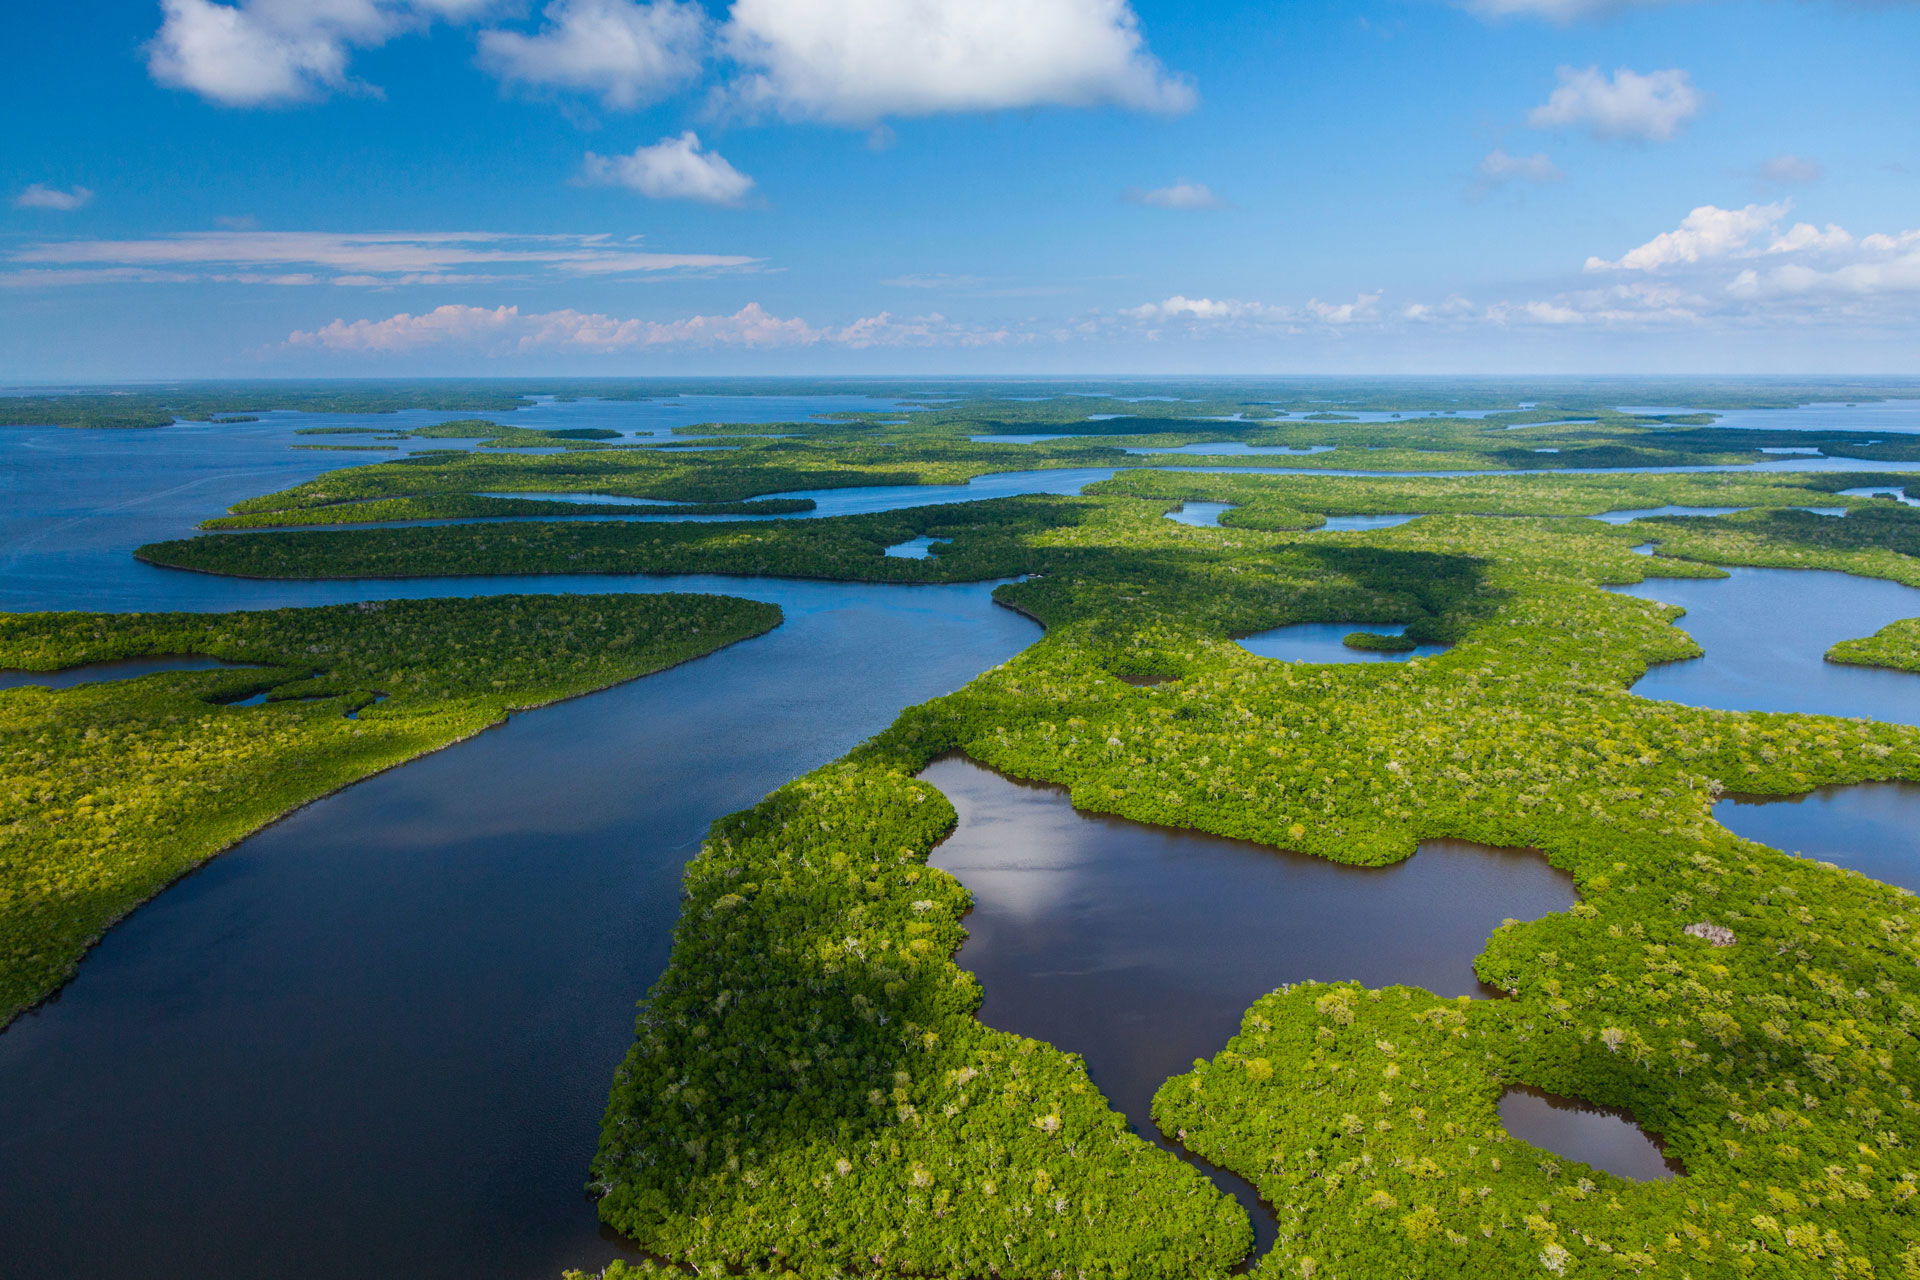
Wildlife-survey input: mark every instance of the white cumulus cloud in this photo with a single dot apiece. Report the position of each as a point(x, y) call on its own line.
point(1751, 257)
point(1707, 232)
point(40, 196)
point(1650, 107)
point(857, 61)
point(265, 52)
point(1181, 195)
point(629, 53)
point(671, 169)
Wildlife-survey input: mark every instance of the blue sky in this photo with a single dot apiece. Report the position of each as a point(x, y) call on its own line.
point(382, 187)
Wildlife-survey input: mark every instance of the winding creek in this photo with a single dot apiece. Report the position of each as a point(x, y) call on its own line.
point(375, 1038)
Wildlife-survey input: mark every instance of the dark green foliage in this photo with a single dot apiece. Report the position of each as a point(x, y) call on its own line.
point(1375, 642)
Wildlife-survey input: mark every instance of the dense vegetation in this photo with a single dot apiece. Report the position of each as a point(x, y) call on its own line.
point(812, 963)
point(215, 401)
point(1896, 645)
point(1304, 502)
point(934, 446)
point(110, 790)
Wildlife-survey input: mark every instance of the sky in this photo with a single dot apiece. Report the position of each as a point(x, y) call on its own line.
point(367, 188)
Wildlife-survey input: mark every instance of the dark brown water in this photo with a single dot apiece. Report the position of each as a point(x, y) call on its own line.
point(1599, 1136)
point(1139, 947)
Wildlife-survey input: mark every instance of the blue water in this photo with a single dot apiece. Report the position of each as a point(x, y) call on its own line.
point(914, 548)
point(1324, 642)
point(1873, 828)
point(1892, 416)
point(1766, 631)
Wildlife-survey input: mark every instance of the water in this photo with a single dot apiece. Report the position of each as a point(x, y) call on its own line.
point(1140, 947)
point(75, 503)
point(1349, 524)
point(118, 669)
point(1871, 491)
point(1873, 828)
point(376, 1037)
point(1766, 631)
point(1201, 515)
point(1599, 1136)
point(1641, 513)
point(1891, 416)
point(914, 548)
point(1324, 642)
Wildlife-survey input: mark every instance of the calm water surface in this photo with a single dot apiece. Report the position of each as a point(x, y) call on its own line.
point(1598, 1136)
point(1766, 631)
point(1326, 642)
point(119, 669)
point(1872, 828)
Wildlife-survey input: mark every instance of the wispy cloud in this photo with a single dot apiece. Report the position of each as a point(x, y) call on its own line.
point(1181, 195)
point(1498, 168)
point(1197, 314)
point(40, 196)
point(508, 330)
point(1790, 171)
point(361, 258)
